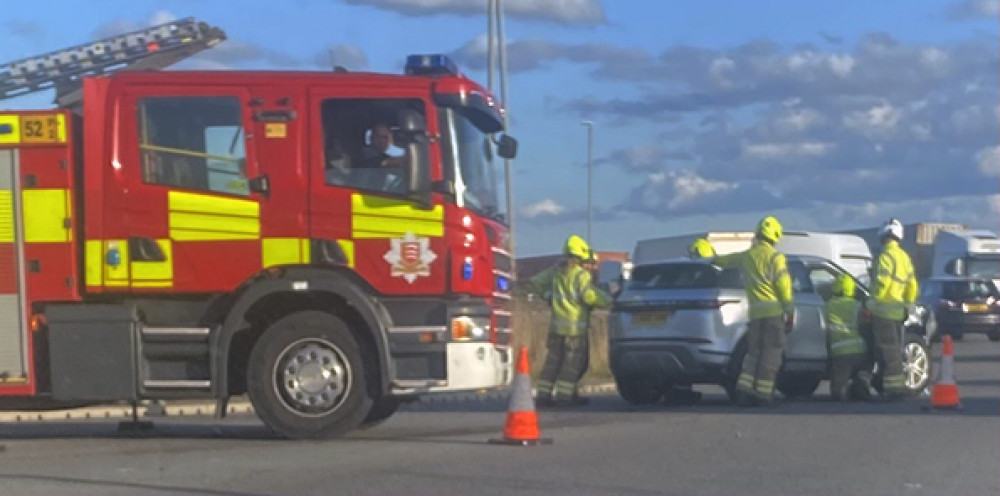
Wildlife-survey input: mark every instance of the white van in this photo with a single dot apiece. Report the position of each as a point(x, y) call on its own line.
point(846, 250)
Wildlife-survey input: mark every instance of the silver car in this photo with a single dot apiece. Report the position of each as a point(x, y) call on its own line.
point(681, 322)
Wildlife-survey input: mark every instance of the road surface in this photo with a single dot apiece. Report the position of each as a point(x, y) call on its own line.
point(439, 448)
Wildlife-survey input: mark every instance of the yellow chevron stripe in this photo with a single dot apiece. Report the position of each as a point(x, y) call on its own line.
point(284, 251)
point(374, 217)
point(6, 216)
point(94, 262)
point(195, 217)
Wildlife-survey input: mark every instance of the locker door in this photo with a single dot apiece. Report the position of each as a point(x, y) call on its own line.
point(12, 323)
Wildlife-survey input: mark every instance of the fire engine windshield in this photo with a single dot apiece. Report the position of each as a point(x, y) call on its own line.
point(479, 183)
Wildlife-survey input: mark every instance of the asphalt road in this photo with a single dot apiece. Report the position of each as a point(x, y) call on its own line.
point(811, 447)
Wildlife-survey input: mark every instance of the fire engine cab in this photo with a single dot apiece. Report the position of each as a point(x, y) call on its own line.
point(328, 243)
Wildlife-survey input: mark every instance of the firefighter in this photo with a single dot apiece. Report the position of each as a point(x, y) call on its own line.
point(894, 290)
point(572, 297)
point(845, 344)
point(769, 294)
point(701, 248)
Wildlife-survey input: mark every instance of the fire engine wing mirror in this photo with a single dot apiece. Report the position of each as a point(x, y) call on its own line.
point(506, 147)
point(413, 138)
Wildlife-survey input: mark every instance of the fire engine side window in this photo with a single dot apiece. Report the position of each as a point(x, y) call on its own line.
point(362, 143)
point(193, 142)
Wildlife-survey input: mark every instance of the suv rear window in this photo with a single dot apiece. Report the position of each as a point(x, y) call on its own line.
point(964, 290)
point(684, 276)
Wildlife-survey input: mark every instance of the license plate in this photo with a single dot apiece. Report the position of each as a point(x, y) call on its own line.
point(649, 319)
point(975, 307)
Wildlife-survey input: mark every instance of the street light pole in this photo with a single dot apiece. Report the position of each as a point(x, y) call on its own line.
point(590, 150)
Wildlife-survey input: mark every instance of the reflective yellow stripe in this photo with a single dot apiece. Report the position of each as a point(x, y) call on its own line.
point(147, 274)
point(6, 216)
point(284, 251)
point(45, 214)
point(94, 262)
point(374, 217)
point(14, 136)
point(348, 247)
point(116, 276)
point(195, 217)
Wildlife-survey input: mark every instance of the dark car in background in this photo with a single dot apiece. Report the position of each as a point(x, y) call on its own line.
point(963, 305)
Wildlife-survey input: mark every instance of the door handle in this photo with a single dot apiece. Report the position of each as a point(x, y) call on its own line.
point(143, 249)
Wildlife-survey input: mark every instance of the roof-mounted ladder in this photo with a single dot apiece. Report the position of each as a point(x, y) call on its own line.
point(146, 49)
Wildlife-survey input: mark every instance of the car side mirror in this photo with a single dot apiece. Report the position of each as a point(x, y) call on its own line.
point(506, 147)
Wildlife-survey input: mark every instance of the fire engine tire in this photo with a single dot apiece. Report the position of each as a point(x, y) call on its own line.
point(306, 377)
point(382, 409)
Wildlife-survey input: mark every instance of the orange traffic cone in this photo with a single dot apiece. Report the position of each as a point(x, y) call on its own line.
point(944, 395)
point(521, 428)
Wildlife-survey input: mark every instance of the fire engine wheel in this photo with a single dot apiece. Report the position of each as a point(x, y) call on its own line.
point(306, 377)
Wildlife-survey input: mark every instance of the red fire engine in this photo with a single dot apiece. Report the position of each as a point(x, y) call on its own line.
point(205, 234)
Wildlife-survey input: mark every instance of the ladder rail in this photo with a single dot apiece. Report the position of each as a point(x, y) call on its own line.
point(151, 48)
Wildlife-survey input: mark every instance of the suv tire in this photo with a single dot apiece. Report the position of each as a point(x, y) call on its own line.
point(639, 390)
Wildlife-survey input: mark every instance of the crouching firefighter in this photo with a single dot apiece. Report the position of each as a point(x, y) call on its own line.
point(573, 295)
point(846, 347)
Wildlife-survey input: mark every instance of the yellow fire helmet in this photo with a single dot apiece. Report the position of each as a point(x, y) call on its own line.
point(577, 247)
point(701, 248)
point(769, 228)
point(844, 286)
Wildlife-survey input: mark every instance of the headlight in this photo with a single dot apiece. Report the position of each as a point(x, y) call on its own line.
point(470, 329)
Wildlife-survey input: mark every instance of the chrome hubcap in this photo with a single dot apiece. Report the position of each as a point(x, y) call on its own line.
point(915, 365)
point(312, 376)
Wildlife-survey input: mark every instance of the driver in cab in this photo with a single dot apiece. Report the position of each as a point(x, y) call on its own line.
point(374, 154)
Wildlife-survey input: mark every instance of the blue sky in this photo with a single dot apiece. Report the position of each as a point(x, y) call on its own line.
point(707, 114)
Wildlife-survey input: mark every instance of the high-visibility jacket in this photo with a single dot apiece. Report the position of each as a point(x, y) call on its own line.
point(842, 334)
point(572, 297)
point(765, 279)
point(894, 287)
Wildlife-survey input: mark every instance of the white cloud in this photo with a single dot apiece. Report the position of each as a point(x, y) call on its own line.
point(786, 151)
point(688, 187)
point(971, 210)
point(878, 121)
point(988, 160)
point(798, 120)
point(841, 65)
point(547, 206)
point(578, 12)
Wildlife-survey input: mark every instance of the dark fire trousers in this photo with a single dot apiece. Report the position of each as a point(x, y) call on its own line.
point(889, 352)
point(766, 340)
point(565, 364)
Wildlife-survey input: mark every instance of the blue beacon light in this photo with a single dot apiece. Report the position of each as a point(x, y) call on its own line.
point(430, 65)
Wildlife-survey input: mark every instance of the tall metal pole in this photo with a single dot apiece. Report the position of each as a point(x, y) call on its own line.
point(491, 44)
point(590, 149)
point(507, 165)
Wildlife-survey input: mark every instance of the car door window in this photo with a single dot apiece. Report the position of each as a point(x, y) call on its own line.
point(821, 279)
point(800, 278)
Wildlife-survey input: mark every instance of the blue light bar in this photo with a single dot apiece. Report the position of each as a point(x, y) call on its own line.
point(430, 65)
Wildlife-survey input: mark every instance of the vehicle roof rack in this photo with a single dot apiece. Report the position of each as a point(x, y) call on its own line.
point(152, 48)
